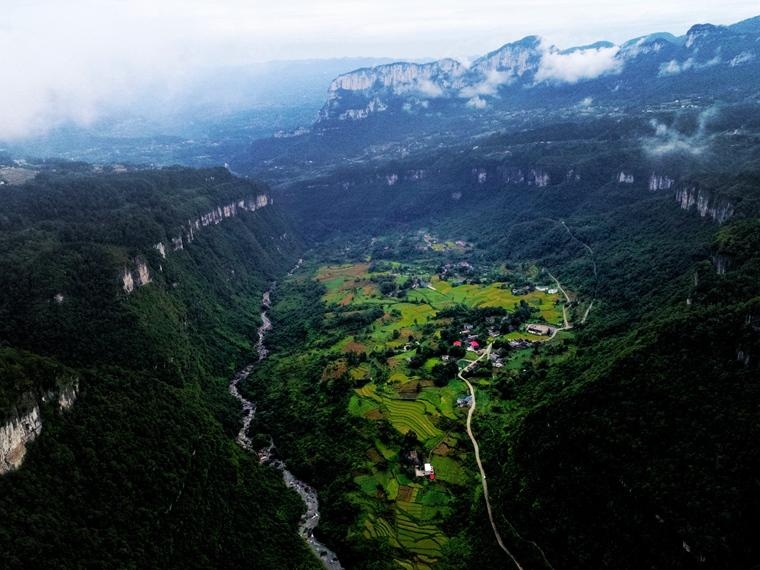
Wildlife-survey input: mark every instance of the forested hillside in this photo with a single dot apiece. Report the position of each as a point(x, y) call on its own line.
point(122, 321)
point(637, 452)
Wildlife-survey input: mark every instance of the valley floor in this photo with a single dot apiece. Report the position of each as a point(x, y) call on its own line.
point(416, 344)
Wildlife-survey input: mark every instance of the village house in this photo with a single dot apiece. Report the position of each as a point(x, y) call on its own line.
point(522, 290)
point(540, 330)
point(464, 402)
point(425, 470)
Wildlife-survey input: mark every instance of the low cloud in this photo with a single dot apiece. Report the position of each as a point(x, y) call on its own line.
point(578, 65)
point(669, 140)
point(674, 67)
point(477, 103)
point(489, 85)
point(428, 89)
point(742, 58)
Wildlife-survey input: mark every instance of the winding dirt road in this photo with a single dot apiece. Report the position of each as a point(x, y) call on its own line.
point(475, 446)
point(593, 264)
point(483, 480)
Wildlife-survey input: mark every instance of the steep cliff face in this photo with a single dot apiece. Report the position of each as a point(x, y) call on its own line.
point(15, 434)
point(660, 182)
point(358, 94)
point(20, 428)
point(625, 177)
point(533, 64)
point(513, 61)
point(708, 206)
point(139, 275)
point(216, 216)
point(721, 263)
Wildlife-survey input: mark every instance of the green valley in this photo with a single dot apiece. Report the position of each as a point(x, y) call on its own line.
point(387, 340)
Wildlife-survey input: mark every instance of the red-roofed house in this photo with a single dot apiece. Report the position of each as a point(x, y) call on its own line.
point(474, 344)
point(457, 343)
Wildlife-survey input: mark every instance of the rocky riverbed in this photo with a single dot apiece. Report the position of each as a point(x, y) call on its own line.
point(310, 518)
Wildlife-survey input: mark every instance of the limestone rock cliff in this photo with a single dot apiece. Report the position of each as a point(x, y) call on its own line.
point(136, 276)
point(692, 197)
point(15, 434)
point(358, 94)
point(625, 177)
point(138, 273)
point(24, 425)
point(530, 63)
point(660, 182)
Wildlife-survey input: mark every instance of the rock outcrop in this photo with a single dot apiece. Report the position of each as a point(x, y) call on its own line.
point(138, 274)
point(625, 177)
point(660, 182)
point(218, 215)
point(691, 197)
point(15, 435)
point(721, 263)
point(22, 426)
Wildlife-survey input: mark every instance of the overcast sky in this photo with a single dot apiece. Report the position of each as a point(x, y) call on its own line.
point(63, 59)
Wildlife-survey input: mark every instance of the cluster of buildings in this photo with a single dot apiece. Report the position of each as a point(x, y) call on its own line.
point(450, 270)
point(421, 468)
point(540, 330)
point(530, 288)
point(471, 344)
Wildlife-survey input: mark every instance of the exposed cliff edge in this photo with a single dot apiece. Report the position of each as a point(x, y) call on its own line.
point(139, 274)
point(704, 202)
point(15, 434)
point(136, 277)
point(216, 216)
point(531, 63)
point(660, 182)
point(23, 425)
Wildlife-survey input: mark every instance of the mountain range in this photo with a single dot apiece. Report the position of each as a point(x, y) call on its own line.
point(727, 58)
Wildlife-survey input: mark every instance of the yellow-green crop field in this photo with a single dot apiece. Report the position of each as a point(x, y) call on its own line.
point(398, 508)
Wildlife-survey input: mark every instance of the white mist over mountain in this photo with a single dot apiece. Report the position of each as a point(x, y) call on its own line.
point(73, 62)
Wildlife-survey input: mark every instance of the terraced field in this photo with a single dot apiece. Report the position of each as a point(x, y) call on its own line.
point(403, 510)
point(348, 284)
point(404, 415)
point(408, 532)
point(495, 295)
point(418, 537)
point(407, 415)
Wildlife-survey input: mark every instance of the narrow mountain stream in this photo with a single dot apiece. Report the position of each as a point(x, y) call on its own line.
point(310, 518)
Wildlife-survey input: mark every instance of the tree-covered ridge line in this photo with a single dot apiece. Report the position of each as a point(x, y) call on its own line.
point(143, 469)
